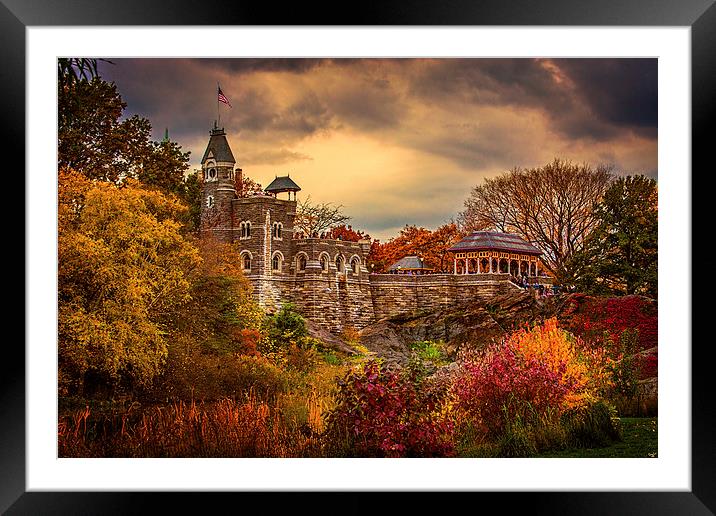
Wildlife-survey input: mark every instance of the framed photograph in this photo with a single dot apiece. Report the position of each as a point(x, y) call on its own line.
point(413, 118)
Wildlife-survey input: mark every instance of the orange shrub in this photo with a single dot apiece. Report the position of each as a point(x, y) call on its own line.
point(534, 373)
point(582, 368)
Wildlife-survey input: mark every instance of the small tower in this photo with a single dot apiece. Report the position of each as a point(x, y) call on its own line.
point(283, 184)
point(218, 187)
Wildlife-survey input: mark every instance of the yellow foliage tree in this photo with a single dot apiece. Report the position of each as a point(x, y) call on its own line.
point(123, 268)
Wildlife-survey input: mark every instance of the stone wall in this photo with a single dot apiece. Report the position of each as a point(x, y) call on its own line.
point(335, 299)
point(398, 294)
point(334, 289)
point(339, 300)
point(262, 212)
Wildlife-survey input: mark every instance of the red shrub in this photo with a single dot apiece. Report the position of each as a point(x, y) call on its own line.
point(383, 413)
point(246, 341)
point(601, 322)
point(493, 391)
point(531, 373)
point(650, 366)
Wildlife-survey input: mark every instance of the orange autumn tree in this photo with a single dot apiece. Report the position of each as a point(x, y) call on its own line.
point(431, 246)
point(222, 316)
point(246, 187)
point(347, 233)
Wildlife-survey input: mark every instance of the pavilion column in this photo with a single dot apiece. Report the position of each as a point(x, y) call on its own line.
point(508, 265)
point(490, 263)
point(465, 265)
point(455, 270)
point(478, 265)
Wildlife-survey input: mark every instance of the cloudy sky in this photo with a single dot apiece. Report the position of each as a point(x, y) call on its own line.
point(400, 141)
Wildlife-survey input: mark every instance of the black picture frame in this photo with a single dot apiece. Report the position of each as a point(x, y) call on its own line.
point(17, 15)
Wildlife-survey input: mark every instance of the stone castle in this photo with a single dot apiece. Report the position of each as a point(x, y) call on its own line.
point(326, 279)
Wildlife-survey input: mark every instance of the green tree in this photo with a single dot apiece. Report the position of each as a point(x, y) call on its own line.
point(95, 140)
point(620, 255)
point(123, 269)
point(284, 328)
point(191, 194)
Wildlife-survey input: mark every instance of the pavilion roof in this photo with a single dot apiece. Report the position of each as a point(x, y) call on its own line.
point(495, 241)
point(282, 184)
point(409, 263)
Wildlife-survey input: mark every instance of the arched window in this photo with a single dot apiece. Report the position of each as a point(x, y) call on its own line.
point(324, 263)
point(245, 229)
point(276, 262)
point(339, 263)
point(212, 174)
point(276, 230)
point(247, 262)
point(355, 265)
point(301, 262)
point(210, 201)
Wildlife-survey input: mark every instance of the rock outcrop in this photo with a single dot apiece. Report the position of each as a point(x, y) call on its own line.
point(477, 324)
point(474, 324)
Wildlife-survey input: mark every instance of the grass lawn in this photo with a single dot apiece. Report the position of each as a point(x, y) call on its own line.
point(640, 440)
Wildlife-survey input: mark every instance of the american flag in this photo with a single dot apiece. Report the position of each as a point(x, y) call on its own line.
point(222, 98)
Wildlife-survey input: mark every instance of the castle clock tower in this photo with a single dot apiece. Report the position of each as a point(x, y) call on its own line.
point(218, 187)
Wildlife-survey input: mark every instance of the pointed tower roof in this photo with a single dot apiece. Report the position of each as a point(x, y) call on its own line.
point(218, 147)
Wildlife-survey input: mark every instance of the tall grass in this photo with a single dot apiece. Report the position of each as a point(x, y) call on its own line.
point(227, 428)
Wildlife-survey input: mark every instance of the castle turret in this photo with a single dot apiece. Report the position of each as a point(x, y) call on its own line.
point(218, 187)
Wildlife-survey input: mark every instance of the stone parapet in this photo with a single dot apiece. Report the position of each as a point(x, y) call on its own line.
point(402, 294)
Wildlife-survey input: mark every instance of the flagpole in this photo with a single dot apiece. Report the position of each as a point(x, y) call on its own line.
point(218, 113)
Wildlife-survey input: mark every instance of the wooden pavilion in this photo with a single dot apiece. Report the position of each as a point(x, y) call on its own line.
point(492, 252)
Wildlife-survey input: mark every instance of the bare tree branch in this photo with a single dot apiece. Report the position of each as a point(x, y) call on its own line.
point(550, 206)
point(313, 219)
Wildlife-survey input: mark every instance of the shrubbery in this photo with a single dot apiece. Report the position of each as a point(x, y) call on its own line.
point(602, 321)
point(382, 413)
point(192, 374)
point(540, 388)
point(429, 351)
point(248, 427)
point(518, 392)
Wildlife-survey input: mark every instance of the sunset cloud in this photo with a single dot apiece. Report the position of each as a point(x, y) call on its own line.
point(401, 141)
